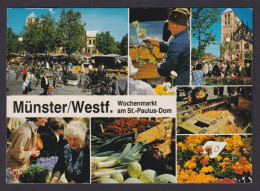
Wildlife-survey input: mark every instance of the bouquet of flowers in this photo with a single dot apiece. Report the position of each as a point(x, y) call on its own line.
point(48, 163)
point(39, 172)
point(228, 80)
point(35, 174)
point(12, 175)
point(234, 162)
point(164, 89)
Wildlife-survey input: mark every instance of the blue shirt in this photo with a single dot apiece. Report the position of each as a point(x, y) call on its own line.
point(197, 78)
point(178, 58)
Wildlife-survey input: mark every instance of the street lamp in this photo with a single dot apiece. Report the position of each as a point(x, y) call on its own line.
point(20, 39)
point(228, 41)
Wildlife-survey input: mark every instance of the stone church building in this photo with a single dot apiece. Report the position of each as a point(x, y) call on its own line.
point(234, 30)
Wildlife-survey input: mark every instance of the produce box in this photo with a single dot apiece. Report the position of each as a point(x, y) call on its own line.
point(165, 148)
point(155, 133)
point(245, 104)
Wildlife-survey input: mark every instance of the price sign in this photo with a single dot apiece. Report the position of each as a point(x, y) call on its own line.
point(213, 148)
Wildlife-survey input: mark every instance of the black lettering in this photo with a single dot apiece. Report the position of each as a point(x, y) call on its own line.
point(18, 109)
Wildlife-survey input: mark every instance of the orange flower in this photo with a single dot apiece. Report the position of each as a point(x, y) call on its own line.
point(199, 149)
point(205, 161)
point(243, 160)
point(190, 165)
point(208, 150)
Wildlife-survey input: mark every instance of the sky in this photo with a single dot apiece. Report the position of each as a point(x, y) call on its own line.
point(114, 20)
point(245, 14)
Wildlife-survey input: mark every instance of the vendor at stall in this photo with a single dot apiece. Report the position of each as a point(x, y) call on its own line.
point(177, 50)
point(74, 158)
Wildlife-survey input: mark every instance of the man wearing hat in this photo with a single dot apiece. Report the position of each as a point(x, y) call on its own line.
point(178, 50)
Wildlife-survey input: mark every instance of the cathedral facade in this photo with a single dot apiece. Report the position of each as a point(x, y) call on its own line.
point(234, 31)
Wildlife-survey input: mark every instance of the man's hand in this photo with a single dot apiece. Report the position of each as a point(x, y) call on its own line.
point(152, 41)
point(35, 152)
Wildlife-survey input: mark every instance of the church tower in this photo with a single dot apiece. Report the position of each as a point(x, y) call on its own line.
point(235, 31)
point(229, 24)
point(31, 19)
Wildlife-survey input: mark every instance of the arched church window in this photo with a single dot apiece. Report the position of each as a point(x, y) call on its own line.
point(246, 46)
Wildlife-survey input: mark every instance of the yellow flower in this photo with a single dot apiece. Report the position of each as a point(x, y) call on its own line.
point(207, 169)
point(181, 146)
point(226, 159)
point(190, 165)
point(219, 158)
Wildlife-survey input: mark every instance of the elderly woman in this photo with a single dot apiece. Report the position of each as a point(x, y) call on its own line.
point(23, 143)
point(52, 137)
point(74, 158)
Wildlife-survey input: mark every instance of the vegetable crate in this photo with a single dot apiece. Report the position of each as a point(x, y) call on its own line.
point(156, 133)
point(155, 136)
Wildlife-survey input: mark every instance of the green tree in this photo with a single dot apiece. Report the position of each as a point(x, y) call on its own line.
point(106, 44)
point(48, 33)
point(195, 54)
point(13, 45)
point(228, 47)
point(124, 45)
point(71, 35)
point(33, 38)
point(202, 20)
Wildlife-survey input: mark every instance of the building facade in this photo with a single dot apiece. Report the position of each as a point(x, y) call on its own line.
point(233, 30)
point(31, 19)
point(91, 42)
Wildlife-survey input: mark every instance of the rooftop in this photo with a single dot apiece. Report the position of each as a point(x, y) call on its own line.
point(92, 33)
point(228, 10)
point(32, 15)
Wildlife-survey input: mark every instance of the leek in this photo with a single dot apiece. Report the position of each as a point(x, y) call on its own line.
point(99, 158)
point(107, 173)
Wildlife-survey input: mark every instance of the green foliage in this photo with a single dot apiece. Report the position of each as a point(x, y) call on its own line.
point(13, 45)
point(230, 47)
point(33, 38)
point(70, 32)
point(141, 33)
point(98, 83)
point(195, 54)
point(48, 34)
point(124, 45)
point(106, 44)
point(202, 20)
point(35, 174)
